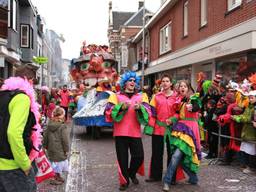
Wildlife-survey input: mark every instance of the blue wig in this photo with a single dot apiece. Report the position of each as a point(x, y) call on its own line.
point(128, 75)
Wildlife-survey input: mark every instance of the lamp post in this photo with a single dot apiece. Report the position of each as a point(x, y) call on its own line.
point(143, 47)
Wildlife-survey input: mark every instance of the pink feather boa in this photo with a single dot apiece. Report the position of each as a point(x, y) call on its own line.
point(21, 84)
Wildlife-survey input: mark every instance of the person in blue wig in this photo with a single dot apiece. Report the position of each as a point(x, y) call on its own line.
point(128, 109)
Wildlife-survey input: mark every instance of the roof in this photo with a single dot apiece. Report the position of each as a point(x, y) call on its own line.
point(137, 18)
point(160, 12)
point(119, 18)
point(4, 3)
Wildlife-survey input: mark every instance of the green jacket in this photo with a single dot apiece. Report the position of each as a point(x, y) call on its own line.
point(248, 131)
point(56, 141)
point(19, 108)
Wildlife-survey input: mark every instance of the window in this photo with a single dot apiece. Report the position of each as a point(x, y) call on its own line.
point(203, 15)
point(232, 4)
point(12, 14)
point(165, 38)
point(31, 38)
point(185, 19)
point(24, 36)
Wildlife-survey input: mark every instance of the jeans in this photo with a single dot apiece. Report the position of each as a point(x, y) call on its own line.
point(175, 161)
point(17, 181)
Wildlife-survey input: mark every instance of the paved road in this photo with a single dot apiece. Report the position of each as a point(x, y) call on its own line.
point(93, 169)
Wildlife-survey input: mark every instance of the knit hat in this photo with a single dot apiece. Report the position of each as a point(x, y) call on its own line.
point(216, 80)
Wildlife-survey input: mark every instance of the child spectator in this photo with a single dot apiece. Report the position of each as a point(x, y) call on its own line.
point(247, 149)
point(51, 107)
point(56, 141)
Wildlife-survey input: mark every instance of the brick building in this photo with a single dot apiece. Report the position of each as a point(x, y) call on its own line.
point(189, 36)
point(122, 27)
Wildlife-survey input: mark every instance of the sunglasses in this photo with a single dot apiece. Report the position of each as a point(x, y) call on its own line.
point(131, 80)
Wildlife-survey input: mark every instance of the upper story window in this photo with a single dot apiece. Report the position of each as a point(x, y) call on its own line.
point(185, 19)
point(165, 38)
point(232, 4)
point(3, 20)
point(12, 14)
point(24, 36)
point(203, 15)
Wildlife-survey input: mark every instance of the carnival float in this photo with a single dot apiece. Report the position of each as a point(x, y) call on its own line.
point(94, 71)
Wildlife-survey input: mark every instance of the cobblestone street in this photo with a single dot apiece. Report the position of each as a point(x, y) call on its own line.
point(93, 169)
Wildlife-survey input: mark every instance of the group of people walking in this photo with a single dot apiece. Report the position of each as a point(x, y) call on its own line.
point(170, 117)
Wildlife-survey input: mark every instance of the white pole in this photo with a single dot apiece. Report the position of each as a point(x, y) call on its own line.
point(143, 47)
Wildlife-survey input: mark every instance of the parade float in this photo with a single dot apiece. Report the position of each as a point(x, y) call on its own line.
point(95, 71)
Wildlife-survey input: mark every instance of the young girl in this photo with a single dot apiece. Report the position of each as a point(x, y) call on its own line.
point(163, 107)
point(185, 138)
point(56, 141)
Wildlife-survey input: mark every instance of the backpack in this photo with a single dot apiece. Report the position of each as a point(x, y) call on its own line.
point(5, 150)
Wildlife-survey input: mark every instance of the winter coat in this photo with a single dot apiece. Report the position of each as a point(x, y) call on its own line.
point(248, 131)
point(56, 141)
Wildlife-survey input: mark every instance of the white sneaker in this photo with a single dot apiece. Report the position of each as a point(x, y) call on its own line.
point(247, 170)
point(166, 187)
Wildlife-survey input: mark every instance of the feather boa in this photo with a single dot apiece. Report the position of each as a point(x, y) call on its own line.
point(17, 83)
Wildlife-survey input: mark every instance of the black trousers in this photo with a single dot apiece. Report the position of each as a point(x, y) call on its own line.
point(66, 112)
point(156, 168)
point(123, 145)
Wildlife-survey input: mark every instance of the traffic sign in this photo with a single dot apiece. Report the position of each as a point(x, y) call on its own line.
point(40, 60)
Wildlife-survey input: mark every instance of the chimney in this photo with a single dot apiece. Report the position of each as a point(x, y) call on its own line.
point(110, 5)
point(141, 4)
point(110, 19)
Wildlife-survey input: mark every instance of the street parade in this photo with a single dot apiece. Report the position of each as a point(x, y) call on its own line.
point(160, 107)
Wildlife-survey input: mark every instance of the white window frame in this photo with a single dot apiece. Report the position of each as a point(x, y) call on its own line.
point(203, 13)
point(27, 44)
point(165, 40)
point(9, 13)
point(232, 4)
point(185, 19)
point(31, 37)
point(12, 14)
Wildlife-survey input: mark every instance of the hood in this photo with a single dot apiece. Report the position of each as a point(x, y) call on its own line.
point(54, 125)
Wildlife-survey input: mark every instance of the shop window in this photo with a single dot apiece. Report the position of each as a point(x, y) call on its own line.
point(203, 13)
point(232, 4)
point(165, 38)
point(185, 19)
point(237, 68)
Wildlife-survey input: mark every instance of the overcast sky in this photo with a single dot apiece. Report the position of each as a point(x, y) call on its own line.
point(80, 20)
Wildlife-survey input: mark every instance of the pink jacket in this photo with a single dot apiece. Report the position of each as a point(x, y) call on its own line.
point(163, 108)
point(129, 126)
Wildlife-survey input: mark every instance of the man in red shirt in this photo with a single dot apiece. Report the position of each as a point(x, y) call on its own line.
point(64, 100)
